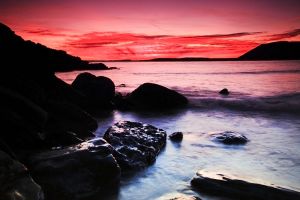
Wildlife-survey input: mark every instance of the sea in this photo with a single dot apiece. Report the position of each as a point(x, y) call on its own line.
point(263, 105)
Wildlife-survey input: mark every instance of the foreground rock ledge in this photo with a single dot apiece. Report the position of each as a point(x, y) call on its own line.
point(15, 181)
point(221, 185)
point(77, 172)
point(136, 145)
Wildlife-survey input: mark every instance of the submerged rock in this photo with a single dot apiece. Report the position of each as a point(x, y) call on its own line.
point(136, 144)
point(76, 172)
point(99, 90)
point(229, 137)
point(15, 181)
point(224, 91)
point(221, 185)
point(153, 96)
point(176, 136)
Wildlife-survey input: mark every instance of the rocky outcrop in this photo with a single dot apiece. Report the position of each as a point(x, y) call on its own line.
point(176, 136)
point(70, 118)
point(99, 91)
point(82, 171)
point(224, 92)
point(223, 186)
point(229, 137)
point(136, 145)
point(153, 96)
point(15, 181)
point(22, 121)
point(34, 57)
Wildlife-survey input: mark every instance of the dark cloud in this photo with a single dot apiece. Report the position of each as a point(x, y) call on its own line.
point(286, 35)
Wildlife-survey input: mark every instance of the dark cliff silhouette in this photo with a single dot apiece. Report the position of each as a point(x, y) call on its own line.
point(274, 51)
point(31, 57)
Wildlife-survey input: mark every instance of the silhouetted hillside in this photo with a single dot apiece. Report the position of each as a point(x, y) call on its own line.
point(29, 56)
point(274, 51)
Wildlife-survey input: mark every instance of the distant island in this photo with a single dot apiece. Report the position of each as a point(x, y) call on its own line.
point(282, 50)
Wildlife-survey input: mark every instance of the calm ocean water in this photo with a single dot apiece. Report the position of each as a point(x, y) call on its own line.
point(264, 105)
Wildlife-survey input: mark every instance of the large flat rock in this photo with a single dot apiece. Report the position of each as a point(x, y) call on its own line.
point(16, 182)
point(225, 186)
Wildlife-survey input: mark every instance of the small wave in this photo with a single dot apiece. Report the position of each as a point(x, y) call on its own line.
point(286, 103)
point(258, 72)
point(296, 71)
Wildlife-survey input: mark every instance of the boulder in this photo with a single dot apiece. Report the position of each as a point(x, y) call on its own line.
point(224, 91)
point(176, 136)
point(22, 120)
point(15, 181)
point(83, 171)
point(121, 103)
point(224, 186)
point(67, 117)
point(136, 145)
point(229, 137)
point(178, 197)
point(153, 96)
point(99, 91)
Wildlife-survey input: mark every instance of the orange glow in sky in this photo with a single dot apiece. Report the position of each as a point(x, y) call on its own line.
point(120, 29)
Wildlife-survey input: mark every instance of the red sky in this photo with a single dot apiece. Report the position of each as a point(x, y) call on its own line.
point(139, 29)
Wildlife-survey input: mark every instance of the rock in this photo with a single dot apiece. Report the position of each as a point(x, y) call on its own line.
point(121, 85)
point(97, 66)
point(229, 137)
point(224, 91)
point(22, 121)
point(153, 96)
point(221, 185)
point(121, 102)
point(77, 172)
point(61, 139)
point(100, 90)
point(66, 117)
point(15, 181)
point(176, 137)
point(136, 144)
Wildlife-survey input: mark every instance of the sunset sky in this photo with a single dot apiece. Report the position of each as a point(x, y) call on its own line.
point(138, 29)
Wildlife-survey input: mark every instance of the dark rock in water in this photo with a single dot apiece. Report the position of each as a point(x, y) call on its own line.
point(76, 172)
point(110, 68)
point(15, 181)
point(97, 66)
point(136, 144)
point(100, 90)
point(229, 137)
point(239, 189)
point(153, 96)
point(177, 136)
point(70, 118)
point(121, 85)
point(224, 91)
